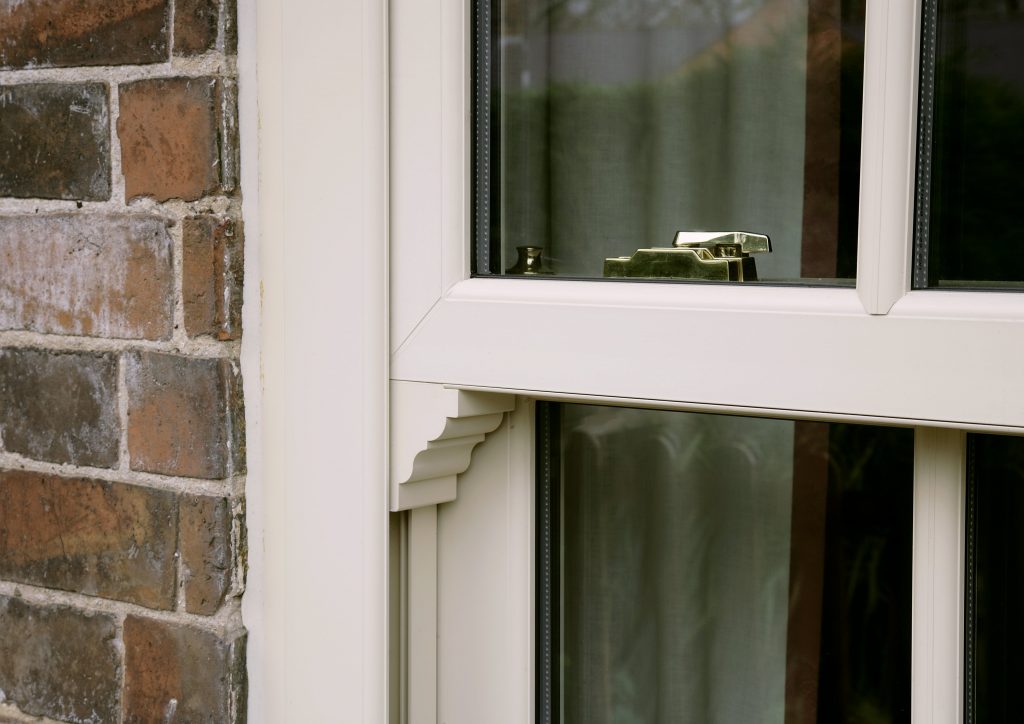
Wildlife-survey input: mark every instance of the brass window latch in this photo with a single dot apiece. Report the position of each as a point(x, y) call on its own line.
point(704, 255)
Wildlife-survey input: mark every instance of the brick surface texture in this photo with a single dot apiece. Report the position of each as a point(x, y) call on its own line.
point(87, 275)
point(168, 673)
point(60, 406)
point(90, 536)
point(212, 277)
point(122, 452)
point(171, 138)
point(61, 33)
point(55, 141)
point(183, 415)
point(206, 552)
point(59, 662)
point(195, 26)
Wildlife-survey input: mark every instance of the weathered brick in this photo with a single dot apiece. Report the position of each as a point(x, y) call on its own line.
point(227, 122)
point(171, 135)
point(184, 415)
point(59, 662)
point(59, 406)
point(230, 26)
point(82, 32)
point(89, 536)
point(182, 674)
point(195, 26)
point(106, 276)
point(212, 277)
point(55, 141)
point(205, 544)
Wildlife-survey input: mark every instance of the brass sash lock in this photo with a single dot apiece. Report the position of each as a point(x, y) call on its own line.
point(704, 255)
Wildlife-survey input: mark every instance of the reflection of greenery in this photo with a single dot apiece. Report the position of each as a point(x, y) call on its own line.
point(623, 14)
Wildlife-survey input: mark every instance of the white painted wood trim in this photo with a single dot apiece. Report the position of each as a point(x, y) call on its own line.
point(937, 684)
point(321, 581)
point(888, 153)
point(433, 432)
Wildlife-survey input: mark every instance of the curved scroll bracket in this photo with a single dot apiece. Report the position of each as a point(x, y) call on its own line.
point(433, 432)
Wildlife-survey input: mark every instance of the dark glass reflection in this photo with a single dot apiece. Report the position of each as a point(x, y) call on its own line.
point(709, 569)
point(995, 581)
point(972, 145)
point(606, 126)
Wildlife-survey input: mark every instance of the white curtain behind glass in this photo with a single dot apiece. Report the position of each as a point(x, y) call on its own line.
point(624, 121)
point(676, 552)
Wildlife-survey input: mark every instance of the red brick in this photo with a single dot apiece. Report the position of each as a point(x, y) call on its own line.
point(104, 276)
point(212, 277)
point(171, 135)
point(58, 662)
point(195, 26)
point(82, 32)
point(55, 141)
point(89, 536)
point(206, 553)
point(60, 407)
point(180, 674)
point(184, 416)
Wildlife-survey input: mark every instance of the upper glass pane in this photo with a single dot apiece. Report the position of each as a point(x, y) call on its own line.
point(604, 127)
point(971, 145)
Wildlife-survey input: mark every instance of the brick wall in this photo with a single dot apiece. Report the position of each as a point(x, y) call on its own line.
point(122, 547)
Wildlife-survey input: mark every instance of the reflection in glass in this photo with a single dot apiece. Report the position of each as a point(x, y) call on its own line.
point(995, 578)
point(971, 145)
point(610, 125)
point(709, 569)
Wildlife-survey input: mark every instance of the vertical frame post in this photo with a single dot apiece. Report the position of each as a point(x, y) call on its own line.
point(937, 684)
point(422, 613)
point(888, 153)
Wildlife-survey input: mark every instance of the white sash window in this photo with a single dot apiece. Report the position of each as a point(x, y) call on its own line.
point(472, 356)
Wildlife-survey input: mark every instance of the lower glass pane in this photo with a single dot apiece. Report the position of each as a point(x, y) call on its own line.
point(995, 578)
point(706, 568)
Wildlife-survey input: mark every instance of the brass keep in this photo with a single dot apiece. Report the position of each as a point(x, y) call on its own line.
point(707, 256)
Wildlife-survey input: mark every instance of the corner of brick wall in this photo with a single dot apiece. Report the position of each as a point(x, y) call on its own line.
point(122, 458)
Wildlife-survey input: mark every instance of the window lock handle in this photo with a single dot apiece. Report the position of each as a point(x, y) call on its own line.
point(701, 255)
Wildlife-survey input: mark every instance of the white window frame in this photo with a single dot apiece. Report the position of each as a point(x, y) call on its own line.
point(940, 362)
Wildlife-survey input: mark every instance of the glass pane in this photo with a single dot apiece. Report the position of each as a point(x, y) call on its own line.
point(995, 578)
point(971, 145)
point(604, 127)
point(709, 569)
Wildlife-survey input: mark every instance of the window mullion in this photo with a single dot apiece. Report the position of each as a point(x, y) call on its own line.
point(938, 596)
point(888, 152)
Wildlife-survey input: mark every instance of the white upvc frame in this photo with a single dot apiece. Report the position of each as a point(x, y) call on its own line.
point(942, 362)
point(314, 87)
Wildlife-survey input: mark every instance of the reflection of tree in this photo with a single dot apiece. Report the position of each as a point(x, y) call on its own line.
point(641, 14)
